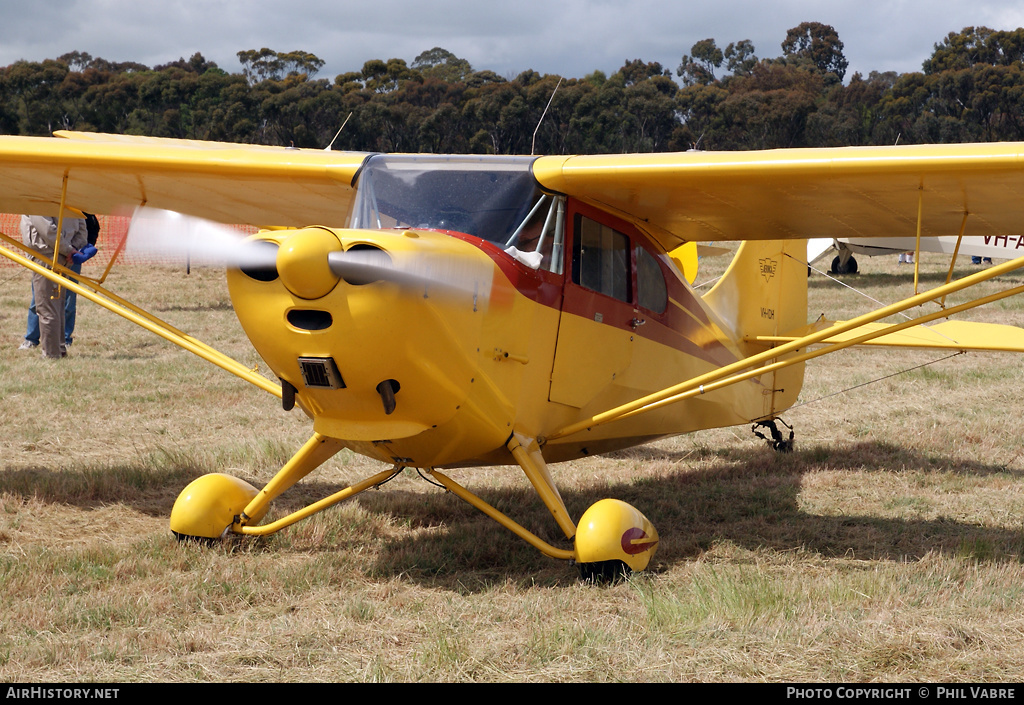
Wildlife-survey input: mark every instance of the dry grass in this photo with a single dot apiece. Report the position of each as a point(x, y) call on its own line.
point(887, 547)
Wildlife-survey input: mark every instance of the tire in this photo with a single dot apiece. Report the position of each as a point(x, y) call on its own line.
point(851, 266)
point(603, 573)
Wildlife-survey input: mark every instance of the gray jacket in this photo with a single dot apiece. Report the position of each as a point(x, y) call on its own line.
point(40, 233)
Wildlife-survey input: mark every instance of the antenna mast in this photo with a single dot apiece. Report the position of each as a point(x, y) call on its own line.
point(328, 147)
point(533, 145)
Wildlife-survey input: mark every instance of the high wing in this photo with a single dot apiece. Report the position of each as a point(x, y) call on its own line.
point(803, 193)
point(681, 197)
point(231, 183)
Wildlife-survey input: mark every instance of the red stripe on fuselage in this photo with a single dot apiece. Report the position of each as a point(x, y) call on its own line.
point(677, 328)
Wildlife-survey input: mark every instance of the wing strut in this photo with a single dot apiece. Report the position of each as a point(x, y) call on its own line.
point(762, 362)
point(110, 301)
point(952, 260)
point(917, 244)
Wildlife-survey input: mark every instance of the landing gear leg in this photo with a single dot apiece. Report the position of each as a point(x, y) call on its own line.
point(612, 539)
point(214, 505)
point(317, 450)
point(527, 453)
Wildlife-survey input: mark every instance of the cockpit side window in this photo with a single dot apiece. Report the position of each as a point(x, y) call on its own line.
point(600, 259)
point(651, 289)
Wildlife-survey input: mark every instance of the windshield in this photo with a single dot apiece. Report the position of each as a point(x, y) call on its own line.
point(493, 198)
point(488, 197)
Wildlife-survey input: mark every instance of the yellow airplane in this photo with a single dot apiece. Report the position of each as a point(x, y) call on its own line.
point(449, 311)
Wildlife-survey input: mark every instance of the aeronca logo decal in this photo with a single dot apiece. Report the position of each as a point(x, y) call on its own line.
point(768, 266)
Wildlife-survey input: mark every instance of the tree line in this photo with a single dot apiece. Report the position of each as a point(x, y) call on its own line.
point(970, 89)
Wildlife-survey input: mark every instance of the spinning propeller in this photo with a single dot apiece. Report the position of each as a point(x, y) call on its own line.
point(311, 261)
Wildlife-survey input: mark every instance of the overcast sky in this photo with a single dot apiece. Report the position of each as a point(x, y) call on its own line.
point(567, 37)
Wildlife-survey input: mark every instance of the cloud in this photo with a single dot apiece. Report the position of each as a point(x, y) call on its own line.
point(571, 38)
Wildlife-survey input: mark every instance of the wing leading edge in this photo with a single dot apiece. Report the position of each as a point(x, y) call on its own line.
point(232, 183)
point(694, 196)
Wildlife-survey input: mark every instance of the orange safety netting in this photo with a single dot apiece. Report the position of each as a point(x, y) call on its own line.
point(113, 230)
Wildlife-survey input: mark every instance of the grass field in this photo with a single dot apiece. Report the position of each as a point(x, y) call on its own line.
point(887, 547)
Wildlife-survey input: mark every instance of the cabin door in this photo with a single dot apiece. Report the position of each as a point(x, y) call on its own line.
point(596, 328)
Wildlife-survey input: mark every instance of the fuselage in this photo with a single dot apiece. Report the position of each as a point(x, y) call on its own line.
point(563, 313)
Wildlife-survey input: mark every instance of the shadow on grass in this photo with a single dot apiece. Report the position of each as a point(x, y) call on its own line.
point(146, 489)
point(197, 308)
point(747, 497)
point(750, 498)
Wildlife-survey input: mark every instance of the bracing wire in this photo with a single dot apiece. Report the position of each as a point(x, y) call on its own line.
point(861, 293)
point(842, 283)
point(877, 379)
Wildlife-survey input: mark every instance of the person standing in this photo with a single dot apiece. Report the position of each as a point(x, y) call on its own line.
point(40, 233)
point(31, 341)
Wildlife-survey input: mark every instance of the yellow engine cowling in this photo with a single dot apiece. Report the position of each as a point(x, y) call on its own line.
point(348, 344)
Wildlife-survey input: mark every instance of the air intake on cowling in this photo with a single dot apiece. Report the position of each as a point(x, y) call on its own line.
point(321, 373)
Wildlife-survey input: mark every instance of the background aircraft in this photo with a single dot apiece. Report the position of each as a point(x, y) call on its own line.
point(844, 260)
